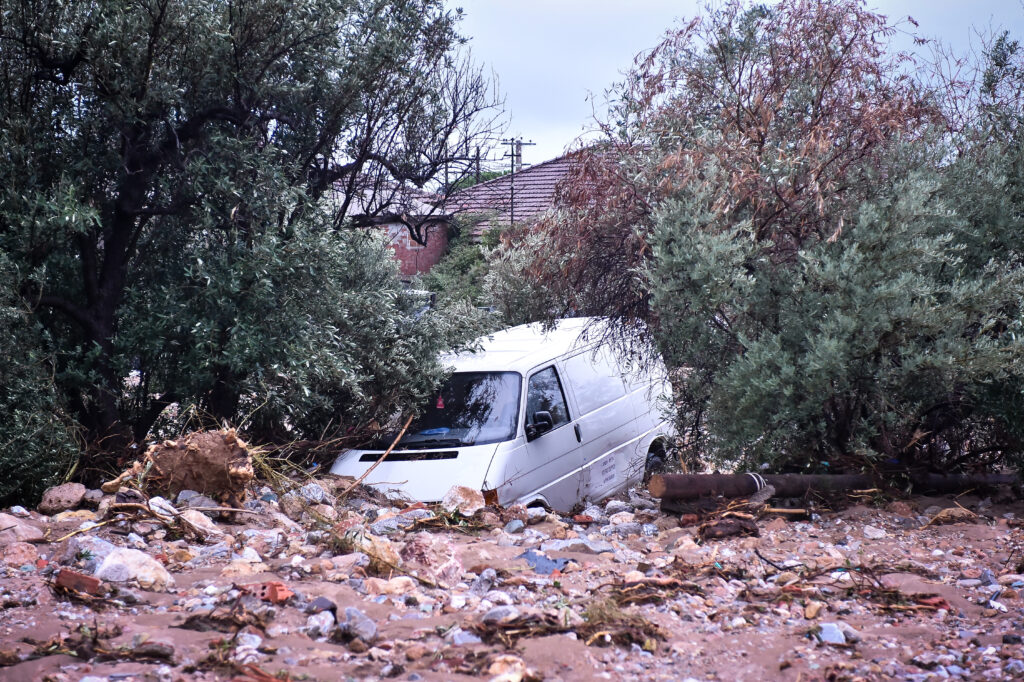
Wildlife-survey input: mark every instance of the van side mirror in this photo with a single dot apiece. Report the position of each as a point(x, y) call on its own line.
point(542, 423)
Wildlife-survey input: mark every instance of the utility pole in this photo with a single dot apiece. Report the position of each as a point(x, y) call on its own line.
point(515, 153)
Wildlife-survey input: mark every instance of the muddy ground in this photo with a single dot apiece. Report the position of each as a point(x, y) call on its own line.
point(309, 586)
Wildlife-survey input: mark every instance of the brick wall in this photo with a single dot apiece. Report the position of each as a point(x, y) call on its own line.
point(413, 258)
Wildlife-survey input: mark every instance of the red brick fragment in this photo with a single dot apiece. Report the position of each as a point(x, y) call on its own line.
point(273, 591)
point(79, 582)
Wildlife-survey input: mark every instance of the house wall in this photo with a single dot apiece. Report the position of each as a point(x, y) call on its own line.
point(413, 258)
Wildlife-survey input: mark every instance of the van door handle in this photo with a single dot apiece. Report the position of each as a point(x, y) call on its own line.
point(579, 437)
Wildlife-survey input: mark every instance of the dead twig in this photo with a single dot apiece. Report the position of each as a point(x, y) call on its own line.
point(387, 452)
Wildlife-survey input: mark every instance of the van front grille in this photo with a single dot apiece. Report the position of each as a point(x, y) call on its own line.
point(408, 456)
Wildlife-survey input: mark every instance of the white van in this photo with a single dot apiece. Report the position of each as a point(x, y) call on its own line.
point(533, 417)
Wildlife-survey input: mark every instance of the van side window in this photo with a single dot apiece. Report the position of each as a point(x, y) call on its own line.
point(544, 393)
point(594, 378)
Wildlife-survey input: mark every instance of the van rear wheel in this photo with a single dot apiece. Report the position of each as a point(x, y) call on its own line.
point(657, 460)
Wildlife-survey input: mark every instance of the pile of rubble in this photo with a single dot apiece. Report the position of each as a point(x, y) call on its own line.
point(326, 581)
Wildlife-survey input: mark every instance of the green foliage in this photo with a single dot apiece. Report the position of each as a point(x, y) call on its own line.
point(175, 185)
point(513, 289)
point(37, 438)
point(460, 274)
point(897, 341)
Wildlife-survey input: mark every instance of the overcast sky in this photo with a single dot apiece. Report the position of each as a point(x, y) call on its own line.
point(554, 59)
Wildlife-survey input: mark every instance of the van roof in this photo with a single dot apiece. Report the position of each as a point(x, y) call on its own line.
point(519, 349)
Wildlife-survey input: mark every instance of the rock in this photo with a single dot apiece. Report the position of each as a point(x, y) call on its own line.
point(76, 515)
point(434, 557)
point(584, 545)
point(500, 614)
point(460, 637)
point(623, 530)
point(851, 633)
point(293, 506)
point(392, 524)
point(358, 625)
point(622, 517)
point(243, 568)
point(19, 554)
point(383, 556)
point(200, 523)
point(313, 493)
point(830, 633)
point(321, 604)
point(535, 515)
point(320, 624)
point(163, 506)
point(87, 551)
point(514, 526)
point(62, 497)
point(812, 609)
point(484, 582)
point(13, 529)
point(190, 499)
point(395, 587)
point(153, 650)
point(466, 500)
point(1010, 579)
point(616, 506)
point(873, 533)
point(131, 565)
point(18, 510)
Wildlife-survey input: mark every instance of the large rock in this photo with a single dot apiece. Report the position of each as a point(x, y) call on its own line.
point(19, 554)
point(87, 551)
point(131, 565)
point(13, 529)
point(466, 500)
point(433, 557)
point(200, 523)
point(61, 498)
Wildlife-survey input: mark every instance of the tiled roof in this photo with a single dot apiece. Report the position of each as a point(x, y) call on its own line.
point(518, 197)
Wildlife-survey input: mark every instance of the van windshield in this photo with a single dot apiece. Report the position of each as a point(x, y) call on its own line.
point(472, 408)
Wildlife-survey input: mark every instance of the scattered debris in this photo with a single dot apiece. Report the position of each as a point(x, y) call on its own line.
point(360, 586)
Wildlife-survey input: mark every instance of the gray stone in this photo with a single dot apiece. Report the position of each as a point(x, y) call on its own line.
point(584, 545)
point(321, 604)
point(390, 525)
point(484, 582)
point(314, 493)
point(20, 511)
point(358, 624)
point(873, 533)
point(162, 506)
point(500, 614)
point(830, 633)
point(92, 498)
point(987, 577)
point(850, 632)
point(195, 499)
point(616, 506)
point(1014, 666)
point(61, 498)
point(623, 529)
point(319, 624)
point(460, 637)
point(535, 515)
point(514, 526)
point(87, 551)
